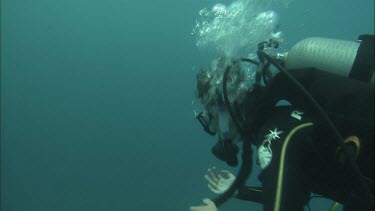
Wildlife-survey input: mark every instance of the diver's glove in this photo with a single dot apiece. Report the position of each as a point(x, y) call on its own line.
point(219, 182)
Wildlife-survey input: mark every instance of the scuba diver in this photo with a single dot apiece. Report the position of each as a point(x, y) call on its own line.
point(311, 123)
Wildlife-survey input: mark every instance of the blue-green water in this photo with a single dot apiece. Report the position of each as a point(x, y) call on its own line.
point(96, 100)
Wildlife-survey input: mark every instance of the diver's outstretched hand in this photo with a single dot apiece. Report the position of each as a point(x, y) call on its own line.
point(209, 206)
point(219, 182)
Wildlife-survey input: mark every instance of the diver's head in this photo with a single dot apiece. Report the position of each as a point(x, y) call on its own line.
point(216, 119)
point(222, 125)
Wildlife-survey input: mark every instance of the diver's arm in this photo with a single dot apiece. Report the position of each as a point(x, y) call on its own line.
point(250, 194)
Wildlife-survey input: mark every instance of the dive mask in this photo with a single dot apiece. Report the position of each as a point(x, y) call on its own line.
point(205, 120)
point(215, 121)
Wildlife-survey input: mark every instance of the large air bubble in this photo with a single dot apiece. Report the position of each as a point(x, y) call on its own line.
point(238, 27)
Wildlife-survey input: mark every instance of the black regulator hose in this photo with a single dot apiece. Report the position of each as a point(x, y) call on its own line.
point(247, 152)
point(368, 197)
point(252, 61)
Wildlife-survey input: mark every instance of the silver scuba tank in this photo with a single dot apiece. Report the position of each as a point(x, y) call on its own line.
point(332, 55)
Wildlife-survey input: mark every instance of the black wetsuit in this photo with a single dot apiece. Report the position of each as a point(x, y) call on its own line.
point(304, 154)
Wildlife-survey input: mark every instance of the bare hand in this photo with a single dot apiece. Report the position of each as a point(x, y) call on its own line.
point(209, 206)
point(219, 182)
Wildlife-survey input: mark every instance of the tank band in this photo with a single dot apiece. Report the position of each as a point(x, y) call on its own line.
point(363, 66)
